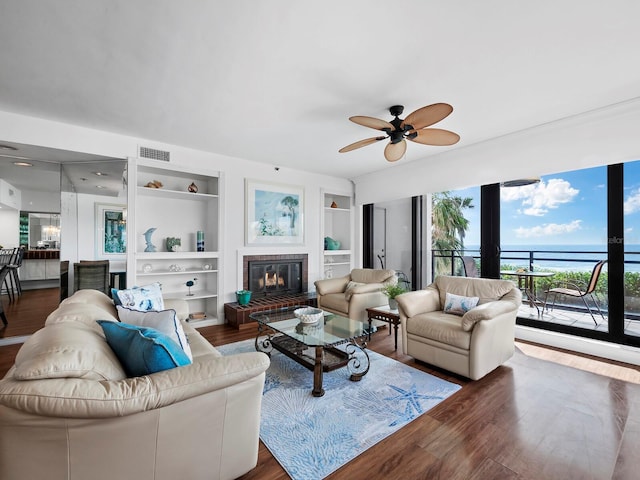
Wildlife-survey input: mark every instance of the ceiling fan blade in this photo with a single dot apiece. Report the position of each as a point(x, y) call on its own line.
point(435, 136)
point(372, 123)
point(425, 116)
point(394, 151)
point(361, 143)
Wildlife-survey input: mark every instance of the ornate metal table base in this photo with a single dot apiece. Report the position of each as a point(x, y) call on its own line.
point(318, 359)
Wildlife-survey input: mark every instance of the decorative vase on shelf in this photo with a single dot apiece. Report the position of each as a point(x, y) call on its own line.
point(200, 241)
point(193, 188)
point(331, 244)
point(334, 205)
point(174, 244)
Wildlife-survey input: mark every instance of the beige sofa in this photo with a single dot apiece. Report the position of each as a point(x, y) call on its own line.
point(351, 295)
point(470, 345)
point(79, 417)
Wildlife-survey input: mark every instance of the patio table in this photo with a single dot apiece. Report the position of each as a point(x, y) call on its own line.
point(526, 283)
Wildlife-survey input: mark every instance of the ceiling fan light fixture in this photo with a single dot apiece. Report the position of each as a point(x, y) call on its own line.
point(414, 129)
point(520, 182)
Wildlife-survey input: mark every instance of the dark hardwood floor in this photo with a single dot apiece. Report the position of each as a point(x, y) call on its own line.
point(545, 414)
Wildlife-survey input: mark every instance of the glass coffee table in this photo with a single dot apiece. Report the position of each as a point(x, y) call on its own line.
point(332, 342)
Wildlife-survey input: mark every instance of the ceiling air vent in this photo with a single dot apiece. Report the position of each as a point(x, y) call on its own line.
point(154, 154)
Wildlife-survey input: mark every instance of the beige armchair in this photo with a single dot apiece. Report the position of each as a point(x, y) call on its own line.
point(351, 295)
point(470, 344)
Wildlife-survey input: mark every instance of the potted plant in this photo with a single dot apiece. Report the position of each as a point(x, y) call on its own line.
point(392, 291)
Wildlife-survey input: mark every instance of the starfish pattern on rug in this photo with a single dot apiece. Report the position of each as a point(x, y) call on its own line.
point(412, 408)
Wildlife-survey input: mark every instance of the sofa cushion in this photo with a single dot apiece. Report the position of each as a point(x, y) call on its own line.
point(441, 327)
point(148, 297)
point(371, 275)
point(143, 350)
point(488, 290)
point(66, 350)
point(94, 298)
point(459, 304)
point(83, 313)
point(350, 290)
point(166, 321)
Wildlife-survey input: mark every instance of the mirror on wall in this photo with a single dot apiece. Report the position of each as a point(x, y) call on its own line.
point(40, 231)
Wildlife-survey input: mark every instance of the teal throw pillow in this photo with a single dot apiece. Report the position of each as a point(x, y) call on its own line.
point(114, 297)
point(143, 350)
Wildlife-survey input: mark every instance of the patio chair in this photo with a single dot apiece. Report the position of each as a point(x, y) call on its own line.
point(470, 268)
point(579, 291)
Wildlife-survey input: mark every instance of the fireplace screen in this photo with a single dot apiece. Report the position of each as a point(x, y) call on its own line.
point(269, 278)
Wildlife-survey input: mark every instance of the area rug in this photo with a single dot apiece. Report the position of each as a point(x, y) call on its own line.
point(311, 437)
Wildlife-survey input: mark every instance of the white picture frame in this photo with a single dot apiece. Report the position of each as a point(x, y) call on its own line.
point(274, 214)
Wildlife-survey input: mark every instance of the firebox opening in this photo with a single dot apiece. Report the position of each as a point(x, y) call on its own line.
point(275, 275)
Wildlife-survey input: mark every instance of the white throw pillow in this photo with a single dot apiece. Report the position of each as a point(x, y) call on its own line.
point(144, 298)
point(165, 321)
point(458, 304)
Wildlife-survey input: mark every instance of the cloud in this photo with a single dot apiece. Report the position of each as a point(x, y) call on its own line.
point(539, 198)
point(632, 203)
point(548, 229)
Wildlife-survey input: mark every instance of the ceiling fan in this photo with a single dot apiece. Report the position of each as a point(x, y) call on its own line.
point(412, 128)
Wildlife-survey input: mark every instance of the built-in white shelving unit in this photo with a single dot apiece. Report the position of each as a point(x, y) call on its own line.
point(174, 211)
point(337, 214)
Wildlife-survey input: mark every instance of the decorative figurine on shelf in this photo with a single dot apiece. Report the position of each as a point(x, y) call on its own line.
point(193, 188)
point(174, 244)
point(154, 184)
point(147, 238)
point(331, 244)
point(334, 205)
point(190, 284)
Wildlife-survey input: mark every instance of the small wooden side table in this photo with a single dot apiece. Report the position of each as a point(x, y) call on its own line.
point(384, 313)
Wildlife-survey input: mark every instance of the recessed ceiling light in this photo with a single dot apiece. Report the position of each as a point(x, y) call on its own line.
point(23, 164)
point(100, 186)
point(7, 147)
point(101, 174)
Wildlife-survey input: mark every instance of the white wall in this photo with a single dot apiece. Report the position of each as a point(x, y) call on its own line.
point(36, 201)
point(9, 227)
point(398, 235)
point(601, 137)
point(34, 131)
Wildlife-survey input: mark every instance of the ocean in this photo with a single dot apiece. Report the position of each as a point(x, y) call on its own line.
point(556, 257)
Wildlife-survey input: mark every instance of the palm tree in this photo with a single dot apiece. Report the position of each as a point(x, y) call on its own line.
point(448, 226)
point(291, 204)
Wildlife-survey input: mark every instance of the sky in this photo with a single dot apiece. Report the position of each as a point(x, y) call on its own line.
point(568, 208)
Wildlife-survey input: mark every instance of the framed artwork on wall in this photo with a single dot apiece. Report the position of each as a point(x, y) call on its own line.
point(111, 230)
point(274, 214)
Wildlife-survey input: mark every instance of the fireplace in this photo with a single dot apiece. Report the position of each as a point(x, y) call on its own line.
point(270, 275)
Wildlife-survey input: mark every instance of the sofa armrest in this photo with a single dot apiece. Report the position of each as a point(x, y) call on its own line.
point(486, 311)
point(332, 285)
point(419, 301)
point(367, 288)
point(79, 398)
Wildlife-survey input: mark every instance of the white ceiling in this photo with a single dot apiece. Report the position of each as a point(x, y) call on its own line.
point(275, 81)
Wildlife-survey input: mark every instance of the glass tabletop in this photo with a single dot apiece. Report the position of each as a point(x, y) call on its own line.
point(330, 330)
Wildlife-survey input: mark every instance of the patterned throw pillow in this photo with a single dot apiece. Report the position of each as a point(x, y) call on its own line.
point(144, 298)
point(143, 350)
point(165, 321)
point(458, 304)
